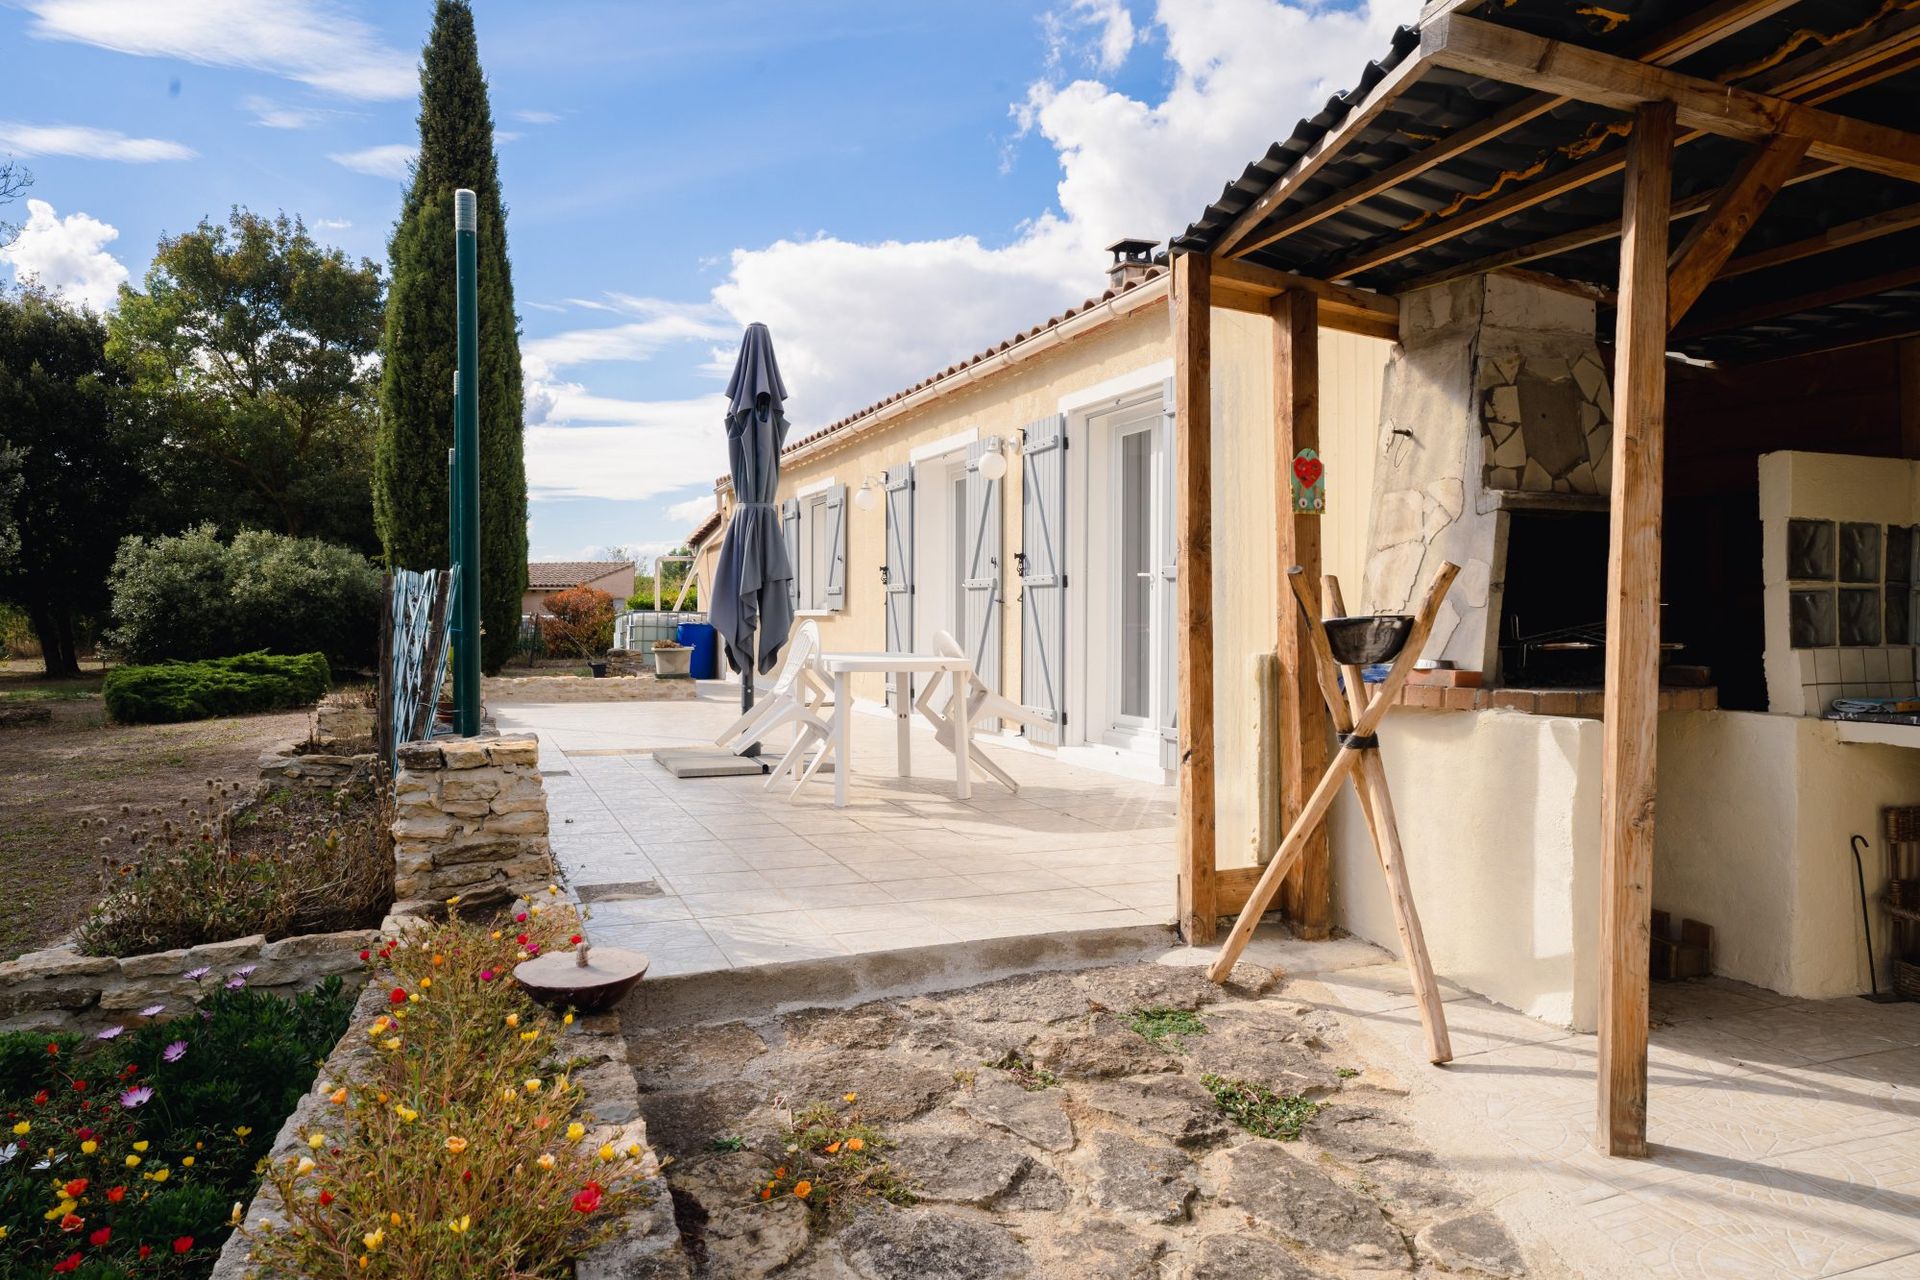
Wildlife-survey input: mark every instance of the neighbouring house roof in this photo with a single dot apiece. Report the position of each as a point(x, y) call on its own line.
point(552, 575)
point(1154, 278)
point(1424, 173)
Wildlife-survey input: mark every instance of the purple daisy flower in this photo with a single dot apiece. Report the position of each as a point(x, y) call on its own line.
point(138, 1096)
point(153, 1011)
point(174, 1052)
point(110, 1033)
point(245, 971)
point(194, 975)
point(236, 982)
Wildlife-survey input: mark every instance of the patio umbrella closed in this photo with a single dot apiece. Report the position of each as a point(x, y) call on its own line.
point(751, 608)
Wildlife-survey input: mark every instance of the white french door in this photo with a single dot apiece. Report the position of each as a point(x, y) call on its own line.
point(1127, 622)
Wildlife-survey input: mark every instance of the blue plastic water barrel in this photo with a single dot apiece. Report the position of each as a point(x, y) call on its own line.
point(705, 643)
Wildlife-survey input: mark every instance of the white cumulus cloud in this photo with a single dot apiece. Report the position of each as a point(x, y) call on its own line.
point(1112, 29)
point(87, 143)
point(67, 256)
point(656, 323)
point(693, 511)
point(388, 161)
point(581, 445)
point(311, 41)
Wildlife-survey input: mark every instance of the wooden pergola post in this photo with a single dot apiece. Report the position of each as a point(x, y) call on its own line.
point(1193, 469)
point(1307, 896)
point(1633, 633)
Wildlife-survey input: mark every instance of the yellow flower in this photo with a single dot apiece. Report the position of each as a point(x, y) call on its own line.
point(606, 1151)
point(496, 935)
point(391, 1042)
point(851, 1096)
point(567, 1021)
point(545, 1161)
point(338, 1097)
point(243, 1130)
point(160, 1174)
point(633, 1149)
point(374, 1239)
point(536, 909)
point(533, 1086)
point(141, 1146)
point(460, 1224)
point(456, 1144)
point(406, 1113)
point(23, 1128)
point(304, 1167)
point(414, 998)
point(186, 1162)
point(513, 1020)
point(454, 901)
point(553, 888)
point(88, 1147)
point(508, 1095)
point(530, 1036)
point(60, 1210)
point(425, 983)
point(576, 1131)
point(133, 1162)
point(315, 1141)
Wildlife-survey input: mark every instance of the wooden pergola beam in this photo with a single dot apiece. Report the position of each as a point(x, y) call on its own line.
point(1774, 307)
point(1516, 57)
point(1633, 635)
point(1810, 78)
point(1245, 286)
point(1307, 895)
point(1697, 31)
point(1736, 207)
point(1193, 467)
point(1859, 231)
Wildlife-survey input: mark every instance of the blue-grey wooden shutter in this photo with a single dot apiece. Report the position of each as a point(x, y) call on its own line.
point(1169, 602)
point(790, 530)
point(897, 574)
point(981, 582)
point(1043, 576)
point(835, 527)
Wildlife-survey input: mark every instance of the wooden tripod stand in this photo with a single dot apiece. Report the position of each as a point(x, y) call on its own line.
point(1355, 719)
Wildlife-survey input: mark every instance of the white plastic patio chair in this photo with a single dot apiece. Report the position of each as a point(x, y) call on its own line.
point(981, 702)
point(798, 692)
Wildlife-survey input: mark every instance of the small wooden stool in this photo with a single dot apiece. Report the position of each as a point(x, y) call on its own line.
point(1355, 719)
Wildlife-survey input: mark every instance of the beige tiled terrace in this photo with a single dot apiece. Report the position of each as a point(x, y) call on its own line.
point(715, 873)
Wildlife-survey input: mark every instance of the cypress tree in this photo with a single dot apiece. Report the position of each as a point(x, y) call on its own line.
point(416, 378)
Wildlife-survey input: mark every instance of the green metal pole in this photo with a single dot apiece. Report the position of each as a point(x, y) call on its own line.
point(466, 469)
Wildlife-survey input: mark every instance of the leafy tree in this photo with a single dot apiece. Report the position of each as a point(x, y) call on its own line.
point(251, 345)
point(13, 180)
point(416, 383)
point(581, 622)
point(62, 402)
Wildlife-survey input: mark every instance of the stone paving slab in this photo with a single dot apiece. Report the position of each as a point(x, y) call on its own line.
point(748, 877)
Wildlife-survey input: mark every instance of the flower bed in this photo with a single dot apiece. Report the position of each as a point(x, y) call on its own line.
point(127, 1150)
point(450, 1134)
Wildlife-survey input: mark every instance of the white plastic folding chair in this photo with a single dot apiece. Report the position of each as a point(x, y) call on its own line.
point(981, 703)
point(798, 692)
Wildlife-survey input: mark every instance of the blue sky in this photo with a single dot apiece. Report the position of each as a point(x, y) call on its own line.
point(889, 184)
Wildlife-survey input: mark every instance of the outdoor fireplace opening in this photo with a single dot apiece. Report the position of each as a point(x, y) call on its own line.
point(1553, 606)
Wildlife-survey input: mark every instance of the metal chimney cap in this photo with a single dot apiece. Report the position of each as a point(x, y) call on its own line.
point(1132, 249)
point(466, 210)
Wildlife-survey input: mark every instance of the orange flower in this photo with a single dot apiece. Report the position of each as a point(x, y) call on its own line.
point(855, 1144)
point(766, 1193)
point(456, 1144)
point(802, 1188)
point(834, 1149)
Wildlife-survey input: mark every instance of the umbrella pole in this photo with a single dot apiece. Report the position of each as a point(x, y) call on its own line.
point(752, 751)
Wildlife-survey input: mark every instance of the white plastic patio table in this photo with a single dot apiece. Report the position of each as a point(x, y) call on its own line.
point(843, 666)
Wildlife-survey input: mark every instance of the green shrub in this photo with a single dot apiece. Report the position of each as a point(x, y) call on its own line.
point(642, 597)
point(193, 596)
point(222, 1078)
point(174, 691)
point(16, 634)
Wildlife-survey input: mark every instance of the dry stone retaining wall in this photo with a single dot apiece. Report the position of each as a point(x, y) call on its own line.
point(59, 989)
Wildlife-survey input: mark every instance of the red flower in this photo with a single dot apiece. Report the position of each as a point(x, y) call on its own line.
point(587, 1200)
point(326, 1198)
point(520, 938)
point(53, 1051)
point(575, 939)
point(99, 1238)
point(145, 1250)
point(76, 1188)
point(72, 1222)
point(397, 996)
point(40, 1098)
point(116, 1194)
point(521, 918)
point(183, 1244)
point(69, 1263)
point(466, 1175)
point(79, 1086)
point(83, 1134)
point(366, 955)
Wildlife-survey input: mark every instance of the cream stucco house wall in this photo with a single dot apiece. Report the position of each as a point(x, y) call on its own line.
point(1096, 514)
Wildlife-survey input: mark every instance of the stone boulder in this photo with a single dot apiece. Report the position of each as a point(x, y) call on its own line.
point(1143, 1181)
point(931, 1244)
point(1300, 1203)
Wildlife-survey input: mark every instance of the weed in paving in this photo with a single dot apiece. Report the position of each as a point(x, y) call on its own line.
point(1029, 1077)
point(1259, 1110)
point(1167, 1027)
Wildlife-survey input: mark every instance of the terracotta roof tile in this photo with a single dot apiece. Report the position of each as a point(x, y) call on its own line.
point(545, 575)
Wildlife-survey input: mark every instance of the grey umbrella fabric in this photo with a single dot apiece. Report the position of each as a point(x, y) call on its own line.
point(751, 608)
